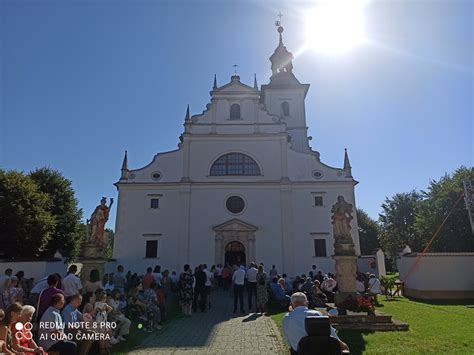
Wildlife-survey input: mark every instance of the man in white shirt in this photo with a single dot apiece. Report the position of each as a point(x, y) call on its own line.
point(251, 277)
point(208, 284)
point(238, 278)
point(374, 288)
point(71, 284)
point(157, 275)
point(292, 324)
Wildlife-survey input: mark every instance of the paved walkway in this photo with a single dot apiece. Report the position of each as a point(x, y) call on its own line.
point(218, 331)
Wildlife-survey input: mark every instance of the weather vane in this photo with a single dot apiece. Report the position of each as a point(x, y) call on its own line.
point(235, 68)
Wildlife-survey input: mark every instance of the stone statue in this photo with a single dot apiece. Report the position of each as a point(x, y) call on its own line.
point(341, 221)
point(96, 224)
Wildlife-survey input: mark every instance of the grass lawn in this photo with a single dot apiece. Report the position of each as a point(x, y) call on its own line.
point(435, 328)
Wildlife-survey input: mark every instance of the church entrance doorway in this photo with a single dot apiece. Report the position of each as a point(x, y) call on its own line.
point(234, 242)
point(235, 253)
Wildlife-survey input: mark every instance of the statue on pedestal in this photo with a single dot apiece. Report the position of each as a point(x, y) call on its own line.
point(345, 257)
point(97, 238)
point(341, 221)
point(96, 224)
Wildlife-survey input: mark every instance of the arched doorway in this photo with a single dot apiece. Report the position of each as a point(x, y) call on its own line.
point(235, 253)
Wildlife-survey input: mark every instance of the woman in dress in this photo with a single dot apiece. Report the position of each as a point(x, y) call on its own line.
point(12, 293)
point(186, 294)
point(262, 293)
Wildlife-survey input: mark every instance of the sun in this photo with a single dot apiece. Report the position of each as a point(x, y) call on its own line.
point(335, 26)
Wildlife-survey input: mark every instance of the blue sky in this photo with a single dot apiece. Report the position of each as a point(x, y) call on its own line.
point(82, 81)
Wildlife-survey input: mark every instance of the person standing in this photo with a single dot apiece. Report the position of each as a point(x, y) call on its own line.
point(71, 284)
point(148, 279)
point(251, 277)
point(200, 289)
point(4, 279)
point(46, 296)
point(208, 284)
point(238, 278)
point(185, 283)
point(262, 293)
point(119, 279)
point(158, 275)
point(273, 272)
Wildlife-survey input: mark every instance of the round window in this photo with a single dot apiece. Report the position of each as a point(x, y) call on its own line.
point(317, 174)
point(156, 175)
point(235, 204)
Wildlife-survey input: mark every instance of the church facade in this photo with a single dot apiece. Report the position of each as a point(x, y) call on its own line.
point(244, 185)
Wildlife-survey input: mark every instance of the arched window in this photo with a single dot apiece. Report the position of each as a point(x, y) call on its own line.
point(235, 164)
point(285, 107)
point(235, 112)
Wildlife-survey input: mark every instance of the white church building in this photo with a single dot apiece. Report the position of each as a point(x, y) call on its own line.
point(244, 185)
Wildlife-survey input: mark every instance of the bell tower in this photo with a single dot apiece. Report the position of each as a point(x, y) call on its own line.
point(285, 95)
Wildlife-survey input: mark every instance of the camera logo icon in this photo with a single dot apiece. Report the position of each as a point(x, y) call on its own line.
point(23, 331)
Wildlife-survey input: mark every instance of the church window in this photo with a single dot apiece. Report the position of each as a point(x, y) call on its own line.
point(317, 174)
point(320, 247)
point(151, 249)
point(155, 203)
point(235, 112)
point(235, 164)
point(285, 107)
point(156, 175)
point(318, 200)
point(235, 204)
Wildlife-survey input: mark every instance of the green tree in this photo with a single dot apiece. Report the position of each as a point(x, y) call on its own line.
point(68, 233)
point(368, 233)
point(438, 200)
point(26, 225)
point(397, 223)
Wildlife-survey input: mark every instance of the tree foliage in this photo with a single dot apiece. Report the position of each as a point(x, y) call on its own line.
point(67, 234)
point(398, 223)
point(26, 223)
point(368, 233)
point(438, 200)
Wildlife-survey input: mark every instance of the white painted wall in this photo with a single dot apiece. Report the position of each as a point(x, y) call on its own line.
point(438, 272)
point(34, 269)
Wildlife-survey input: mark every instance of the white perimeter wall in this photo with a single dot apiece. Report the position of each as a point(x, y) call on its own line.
point(438, 275)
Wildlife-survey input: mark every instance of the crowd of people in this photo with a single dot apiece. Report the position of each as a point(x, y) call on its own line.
point(121, 298)
point(61, 314)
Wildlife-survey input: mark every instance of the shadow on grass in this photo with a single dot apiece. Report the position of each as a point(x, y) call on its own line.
point(354, 339)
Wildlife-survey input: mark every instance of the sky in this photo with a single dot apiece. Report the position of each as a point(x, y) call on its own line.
point(83, 81)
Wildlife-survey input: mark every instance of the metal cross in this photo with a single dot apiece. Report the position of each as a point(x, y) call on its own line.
point(278, 22)
point(235, 68)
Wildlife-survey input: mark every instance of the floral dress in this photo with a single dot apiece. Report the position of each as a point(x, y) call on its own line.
point(262, 294)
point(186, 293)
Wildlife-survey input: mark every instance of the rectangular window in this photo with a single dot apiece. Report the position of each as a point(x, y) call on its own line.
point(154, 203)
point(151, 249)
point(320, 247)
point(318, 200)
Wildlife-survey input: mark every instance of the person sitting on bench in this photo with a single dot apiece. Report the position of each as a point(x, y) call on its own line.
point(293, 323)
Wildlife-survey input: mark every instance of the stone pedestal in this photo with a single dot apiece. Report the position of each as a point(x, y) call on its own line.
point(346, 273)
point(92, 257)
point(90, 264)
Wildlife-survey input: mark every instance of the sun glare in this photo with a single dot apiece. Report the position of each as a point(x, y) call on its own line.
point(335, 26)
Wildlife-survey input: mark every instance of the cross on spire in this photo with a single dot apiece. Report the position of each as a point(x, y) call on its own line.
point(235, 68)
point(279, 18)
